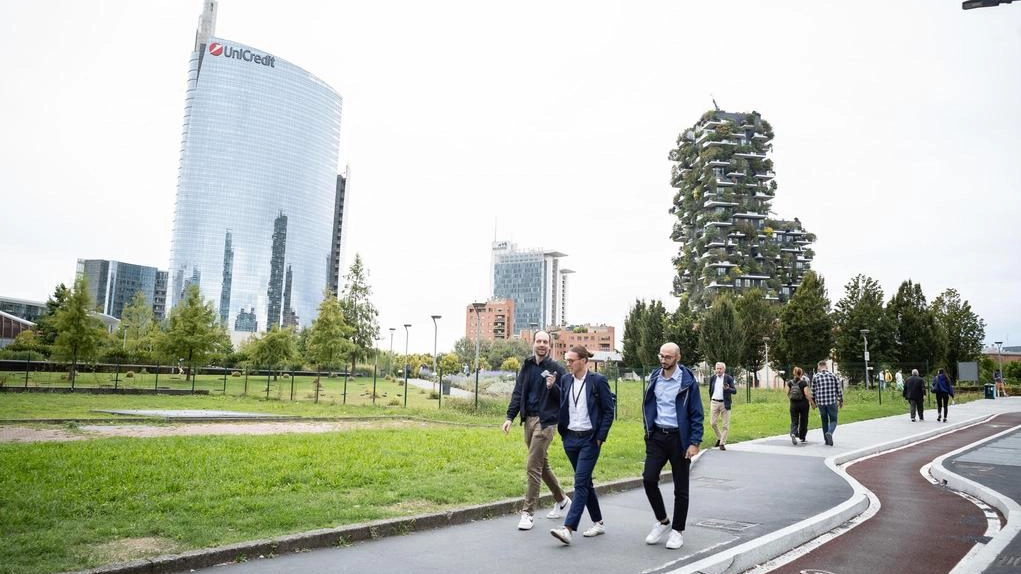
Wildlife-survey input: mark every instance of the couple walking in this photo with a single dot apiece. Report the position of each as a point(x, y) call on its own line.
point(580, 405)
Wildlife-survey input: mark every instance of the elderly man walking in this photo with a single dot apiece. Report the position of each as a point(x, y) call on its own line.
point(828, 396)
point(914, 392)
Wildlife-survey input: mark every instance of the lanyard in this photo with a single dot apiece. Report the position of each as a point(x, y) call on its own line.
point(577, 395)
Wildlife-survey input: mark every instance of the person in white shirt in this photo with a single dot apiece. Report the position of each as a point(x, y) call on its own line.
point(721, 386)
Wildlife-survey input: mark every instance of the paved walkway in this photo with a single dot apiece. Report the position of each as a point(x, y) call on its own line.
point(431, 386)
point(741, 513)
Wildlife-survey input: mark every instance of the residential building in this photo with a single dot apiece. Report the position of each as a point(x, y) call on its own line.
point(255, 214)
point(534, 280)
point(595, 338)
point(728, 239)
point(493, 320)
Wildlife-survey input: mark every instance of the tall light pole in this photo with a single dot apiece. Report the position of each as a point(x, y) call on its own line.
point(390, 359)
point(765, 341)
point(478, 307)
point(375, 370)
point(999, 361)
point(868, 380)
point(436, 333)
point(406, 325)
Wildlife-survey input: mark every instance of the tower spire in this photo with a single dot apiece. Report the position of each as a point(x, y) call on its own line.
point(207, 24)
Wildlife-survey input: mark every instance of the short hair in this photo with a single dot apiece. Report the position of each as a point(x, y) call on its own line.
point(914, 372)
point(720, 363)
point(535, 335)
point(581, 351)
point(823, 364)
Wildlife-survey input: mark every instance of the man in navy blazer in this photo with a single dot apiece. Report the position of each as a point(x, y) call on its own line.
point(586, 413)
point(721, 386)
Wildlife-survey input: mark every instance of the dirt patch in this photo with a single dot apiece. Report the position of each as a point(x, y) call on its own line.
point(126, 549)
point(85, 432)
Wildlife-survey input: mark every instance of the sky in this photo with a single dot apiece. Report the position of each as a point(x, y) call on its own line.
point(545, 123)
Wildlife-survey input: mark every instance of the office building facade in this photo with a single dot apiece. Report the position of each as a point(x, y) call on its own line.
point(112, 285)
point(729, 241)
point(533, 278)
point(257, 185)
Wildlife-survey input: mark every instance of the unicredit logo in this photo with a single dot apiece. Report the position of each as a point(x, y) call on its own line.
point(218, 49)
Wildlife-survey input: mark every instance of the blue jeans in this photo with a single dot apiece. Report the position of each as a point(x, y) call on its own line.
point(828, 414)
point(583, 454)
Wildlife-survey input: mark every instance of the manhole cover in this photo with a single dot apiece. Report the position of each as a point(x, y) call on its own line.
point(728, 525)
point(712, 482)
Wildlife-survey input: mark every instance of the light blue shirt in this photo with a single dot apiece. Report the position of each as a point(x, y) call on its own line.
point(666, 397)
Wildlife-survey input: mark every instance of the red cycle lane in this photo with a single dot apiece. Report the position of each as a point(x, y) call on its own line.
point(920, 527)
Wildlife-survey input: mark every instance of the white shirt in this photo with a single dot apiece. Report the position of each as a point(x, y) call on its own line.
point(718, 388)
point(577, 407)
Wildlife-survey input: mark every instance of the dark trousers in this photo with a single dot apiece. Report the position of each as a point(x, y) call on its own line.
point(942, 400)
point(661, 448)
point(799, 418)
point(583, 452)
point(916, 406)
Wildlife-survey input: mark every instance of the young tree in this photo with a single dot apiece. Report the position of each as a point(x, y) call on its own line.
point(327, 340)
point(759, 319)
point(862, 308)
point(805, 335)
point(918, 338)
point(450, 363)
point(138, 329)
point(465, 349)
point(45, 325)
point(359, 312)
point(964, 330)
point(632, 334)
point(274, 349)
point(193, 331)
point(721, 336)
point(651, 331)
point(502, 349)
point(512, 364)
point(78, 332)
point(682, 327)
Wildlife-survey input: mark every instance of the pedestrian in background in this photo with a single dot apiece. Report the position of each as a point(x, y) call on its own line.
point(828, 396)
point(586, 413)
point(914, 392)
point(721, 387)
point(799, 391)
point(537, 399)
point(944, 390)
point(673, 419)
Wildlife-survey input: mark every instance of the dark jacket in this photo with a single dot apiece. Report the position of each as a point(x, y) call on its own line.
point(690, 416)
point(941, 384)
point(914, 388)
point(599, 399)
point(531, 395)
point(728, 388)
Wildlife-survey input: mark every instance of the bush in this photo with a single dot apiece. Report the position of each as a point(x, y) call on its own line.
point(129, 374)
point(394, 403)
point(236, 374)
point(286, 376)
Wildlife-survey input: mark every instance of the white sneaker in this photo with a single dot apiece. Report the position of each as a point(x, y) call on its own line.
point(526, 521)
point(657, 533)
point(597, 529)
point(559, 509)
point(675, 541)
point(562, 534)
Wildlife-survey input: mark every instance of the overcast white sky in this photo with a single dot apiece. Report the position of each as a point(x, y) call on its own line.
point(548, 123)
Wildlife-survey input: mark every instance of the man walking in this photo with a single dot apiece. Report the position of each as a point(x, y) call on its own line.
point(536, 398)
point(721, 386)
point(828, 395)
point(914, 392)
point(673, 418)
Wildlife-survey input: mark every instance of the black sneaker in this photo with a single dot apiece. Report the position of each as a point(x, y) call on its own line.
point(794, 439)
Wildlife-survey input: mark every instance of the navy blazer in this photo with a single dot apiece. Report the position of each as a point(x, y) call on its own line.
point(728, 388)
point(599, 400)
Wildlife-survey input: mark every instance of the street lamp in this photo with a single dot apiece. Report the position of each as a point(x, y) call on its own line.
point(999, 361)
point(478, 307)
point(868, 380)
point(765, 341)
point(375, 370)
point(406, 325)
point(436, 332)
point(390, 359)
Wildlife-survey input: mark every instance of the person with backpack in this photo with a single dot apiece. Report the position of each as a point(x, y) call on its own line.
point(673, 418)
point(944, 390)
point(586, 413)
point(799, 391)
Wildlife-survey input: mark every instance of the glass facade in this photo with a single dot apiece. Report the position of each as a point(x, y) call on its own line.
point(254, 216)
point(529, 277)
point(113, 284)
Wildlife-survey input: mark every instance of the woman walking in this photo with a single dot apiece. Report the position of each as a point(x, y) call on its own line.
point(944, 390)
point(799, 391)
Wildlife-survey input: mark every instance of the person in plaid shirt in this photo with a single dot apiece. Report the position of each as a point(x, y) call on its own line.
point(828, 395)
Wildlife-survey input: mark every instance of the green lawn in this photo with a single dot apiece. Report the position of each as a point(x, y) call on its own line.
point(74, 505)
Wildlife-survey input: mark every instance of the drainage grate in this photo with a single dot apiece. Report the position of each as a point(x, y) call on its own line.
point(728, 525)
point(1011, 561)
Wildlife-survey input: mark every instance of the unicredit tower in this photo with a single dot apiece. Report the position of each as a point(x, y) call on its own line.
point(254, 217)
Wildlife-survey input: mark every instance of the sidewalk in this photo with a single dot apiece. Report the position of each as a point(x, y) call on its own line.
point(740, 516)
point(432, 386)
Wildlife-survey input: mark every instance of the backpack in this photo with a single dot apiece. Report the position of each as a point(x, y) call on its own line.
point(795, 392)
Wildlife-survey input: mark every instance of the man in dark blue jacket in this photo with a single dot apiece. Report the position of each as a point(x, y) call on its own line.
point(536, 398)
point(673, 415)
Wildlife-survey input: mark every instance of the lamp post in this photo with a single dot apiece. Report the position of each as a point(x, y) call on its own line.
point(375, 369)
point(478, 307)
point(765, 341)
point(406, 325)
point(390, 359)
point(868, 379)
point(436, 332)
point(999, 362)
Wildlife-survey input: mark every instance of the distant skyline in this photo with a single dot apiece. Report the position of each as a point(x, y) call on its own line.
point(544, 124)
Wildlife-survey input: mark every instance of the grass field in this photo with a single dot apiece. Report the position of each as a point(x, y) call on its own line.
point(74, 505)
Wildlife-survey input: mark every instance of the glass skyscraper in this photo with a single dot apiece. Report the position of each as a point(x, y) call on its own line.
point(254, 216)
point(532, 278)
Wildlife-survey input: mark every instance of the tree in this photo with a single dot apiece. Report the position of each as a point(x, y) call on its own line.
point(651, 330)
point(759, 319)
point(682, 328)
point(139, 330)
point(45, 325)
point(193, 331)
point(964, 330)
point(465, 349)
point(862, 308)
point(503, 349)
point(721, 336)
point(359, 311)
point(78, 332)
point(805, 335)
point(632, 335)
point(918, 338)
point(327, 340)
point(512, 364)
point(274, 349)
point(450, 363)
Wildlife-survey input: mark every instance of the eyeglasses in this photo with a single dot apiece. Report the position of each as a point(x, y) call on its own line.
point(569, 361)
point(667, 357)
